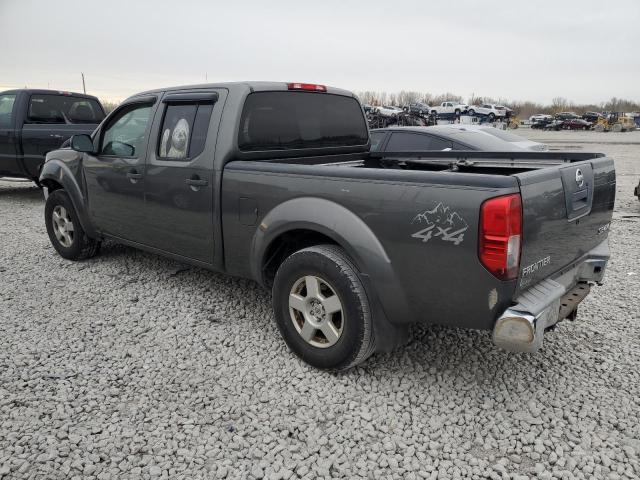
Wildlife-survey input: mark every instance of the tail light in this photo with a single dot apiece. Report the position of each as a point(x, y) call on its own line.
point(501, 235)
point(311, 87)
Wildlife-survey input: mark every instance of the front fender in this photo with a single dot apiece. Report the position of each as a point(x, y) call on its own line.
point(347, 230)
point(58, 171)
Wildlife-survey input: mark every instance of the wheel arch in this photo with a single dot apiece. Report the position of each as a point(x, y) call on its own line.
point(56, 175)
point(324, 221)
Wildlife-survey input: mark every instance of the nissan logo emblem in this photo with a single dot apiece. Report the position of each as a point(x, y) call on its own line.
point(579, 178)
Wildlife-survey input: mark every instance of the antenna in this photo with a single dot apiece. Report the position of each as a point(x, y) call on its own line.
point(84, 89)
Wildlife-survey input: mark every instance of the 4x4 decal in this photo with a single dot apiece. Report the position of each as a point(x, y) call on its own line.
point(440, 222)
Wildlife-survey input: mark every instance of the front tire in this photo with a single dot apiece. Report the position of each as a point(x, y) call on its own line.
point(64, 229)
point(471, 112)
point(322, 309)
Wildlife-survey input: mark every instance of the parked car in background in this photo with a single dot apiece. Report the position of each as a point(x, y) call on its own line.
point(555, 124)
point(449, 137)
point(566, 115)
point(367, 108)
point(492, 111)
point(34, 122)
point(233, 177)
point(592, 117)
point(576, 124)
point(418, 108)
point(450, 107)
point(540, 117)
point(387, 110)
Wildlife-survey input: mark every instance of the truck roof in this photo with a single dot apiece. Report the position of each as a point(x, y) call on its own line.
point(256, 86)
point(43, 91)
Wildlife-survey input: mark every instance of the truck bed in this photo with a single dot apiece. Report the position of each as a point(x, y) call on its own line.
point(390, 192)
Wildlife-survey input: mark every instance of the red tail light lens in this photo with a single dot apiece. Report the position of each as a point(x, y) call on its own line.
point(311, 87)
point(501, 235)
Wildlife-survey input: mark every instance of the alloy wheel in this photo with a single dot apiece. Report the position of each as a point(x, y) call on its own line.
point(63, 226)
point(316, 311)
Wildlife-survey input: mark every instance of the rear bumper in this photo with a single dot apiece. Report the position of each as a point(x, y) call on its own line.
point(521, 327)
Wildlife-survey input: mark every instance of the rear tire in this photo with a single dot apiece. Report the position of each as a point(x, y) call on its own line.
point(318, 290)
point(471, 112)
point(64, 229)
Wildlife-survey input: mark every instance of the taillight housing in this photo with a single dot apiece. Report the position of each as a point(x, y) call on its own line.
point(501, 235)
point(310, 87)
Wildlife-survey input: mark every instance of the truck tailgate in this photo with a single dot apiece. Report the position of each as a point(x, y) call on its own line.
point(566, 212)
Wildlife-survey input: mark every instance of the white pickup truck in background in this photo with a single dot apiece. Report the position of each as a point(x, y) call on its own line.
point(449, 107)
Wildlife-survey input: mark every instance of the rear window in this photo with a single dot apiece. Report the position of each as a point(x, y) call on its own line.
point(300, 120)
point(415, 142)
point(503, 135)
point(63, 109)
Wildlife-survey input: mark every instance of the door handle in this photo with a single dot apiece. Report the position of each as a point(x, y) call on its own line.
point(134, 176)
point(53, 135)
point(196, 182)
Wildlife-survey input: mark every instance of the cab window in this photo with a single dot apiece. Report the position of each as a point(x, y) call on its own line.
point(184, 130)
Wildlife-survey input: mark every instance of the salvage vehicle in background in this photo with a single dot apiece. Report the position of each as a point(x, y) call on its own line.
point(259, 180)
point(492, 111)
point(540, 117)
point(387, 110)
point(34, 122)
point(449, 137)
point(449, 107)
point(418, 108)
point(566, 115)
point(576, 124)
point(592, 117)
point(556, 124)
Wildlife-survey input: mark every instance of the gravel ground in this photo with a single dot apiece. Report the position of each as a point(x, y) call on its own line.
point(130, 366)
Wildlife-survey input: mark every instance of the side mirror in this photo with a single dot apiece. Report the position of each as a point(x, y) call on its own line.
point(82, 143)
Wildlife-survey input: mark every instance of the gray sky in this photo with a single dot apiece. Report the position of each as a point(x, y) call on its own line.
point(584, 50)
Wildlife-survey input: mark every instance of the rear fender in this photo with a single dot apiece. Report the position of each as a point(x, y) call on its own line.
point(348, 231)
point(57, 171)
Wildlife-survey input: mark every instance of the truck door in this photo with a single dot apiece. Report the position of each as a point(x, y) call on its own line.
point(8, 160)
point(179, 179)
point(115, 174)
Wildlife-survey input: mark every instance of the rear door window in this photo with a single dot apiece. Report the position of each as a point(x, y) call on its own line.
point(63, 109)
point(6, 109)
point(184, 130)
point(300, 120)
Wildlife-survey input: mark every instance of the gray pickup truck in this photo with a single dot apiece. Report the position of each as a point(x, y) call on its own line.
point(275, 182)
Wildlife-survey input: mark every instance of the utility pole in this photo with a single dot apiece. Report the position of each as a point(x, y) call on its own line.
point(84, 89)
